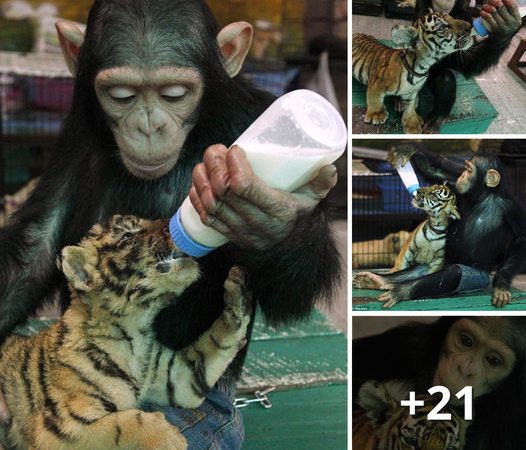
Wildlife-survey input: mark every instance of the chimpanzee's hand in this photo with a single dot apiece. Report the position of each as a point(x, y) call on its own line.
point(501, 297)
point(501, 17)
point(400, 154)
point(232, 200)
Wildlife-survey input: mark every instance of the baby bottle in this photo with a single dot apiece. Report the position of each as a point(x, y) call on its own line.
point(286, 146)
point(478, 24)
point(408, 176)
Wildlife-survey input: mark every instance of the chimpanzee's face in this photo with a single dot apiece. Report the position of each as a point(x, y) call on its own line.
point(474, 354)
point(150, 113)
point(467, 179)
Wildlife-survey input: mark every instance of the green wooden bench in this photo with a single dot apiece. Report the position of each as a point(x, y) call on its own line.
point(367, 300)
point(306, 364)
point(472, 112)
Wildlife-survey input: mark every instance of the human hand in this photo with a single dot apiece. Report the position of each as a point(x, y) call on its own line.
point(501, 297)
point(501, 17)
point(232, 200)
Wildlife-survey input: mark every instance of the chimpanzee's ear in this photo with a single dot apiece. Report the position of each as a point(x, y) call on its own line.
point(70, 38)
point(492, 178)
point(234, 42)
point(404, 36)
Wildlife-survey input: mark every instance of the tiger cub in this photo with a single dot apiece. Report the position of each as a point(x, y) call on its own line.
point(77, 385)
point(426, 244)
point(403, 71)
point(383, 424)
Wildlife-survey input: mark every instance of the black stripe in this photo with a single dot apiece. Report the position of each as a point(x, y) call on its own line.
point(62, 332)
point(80, 419)
point(120, 274)
point(25, 378)
point(103, 362)
point(50, 404)
point(218, 344)
point(118, 433)
point(200, 387)
point(124, 334)
point(170, 388)
point(117, 288)
point(51, 425)
point(107, 404)
point(82, 377)
point(157, 359)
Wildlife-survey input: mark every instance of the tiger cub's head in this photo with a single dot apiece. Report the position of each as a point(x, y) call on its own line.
point(438, 201)
point(128, 262)
point(395, 429)
point(436, 32)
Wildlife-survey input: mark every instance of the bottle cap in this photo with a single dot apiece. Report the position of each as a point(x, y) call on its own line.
point(479, 27)
point(412, 189)
point(184, 242)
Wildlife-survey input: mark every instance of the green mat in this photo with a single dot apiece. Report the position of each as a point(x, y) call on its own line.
point(366, 300)
point(472, 111)
point(307, 364)
point(302, 419)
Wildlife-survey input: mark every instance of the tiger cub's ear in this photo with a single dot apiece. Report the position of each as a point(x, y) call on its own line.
point(76, 268)
point(377, 402)
point(404, 36)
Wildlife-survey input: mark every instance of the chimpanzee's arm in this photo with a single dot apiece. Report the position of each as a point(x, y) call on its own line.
point(515, 263)
point(481, 57)
point(28, 248)
point(289, 277)
point(432, 166)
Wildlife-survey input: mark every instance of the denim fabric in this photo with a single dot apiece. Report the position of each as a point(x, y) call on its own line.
point(472, 280)
point(215, 425)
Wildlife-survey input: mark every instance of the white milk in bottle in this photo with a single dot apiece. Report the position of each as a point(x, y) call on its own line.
point(286, 146)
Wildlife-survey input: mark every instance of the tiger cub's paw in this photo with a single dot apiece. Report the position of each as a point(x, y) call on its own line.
point(376, 117)
point(148, 431)
point(238, 301)
point(412, 124)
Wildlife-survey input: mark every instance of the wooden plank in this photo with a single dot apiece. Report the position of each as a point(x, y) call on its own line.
point(305, 419)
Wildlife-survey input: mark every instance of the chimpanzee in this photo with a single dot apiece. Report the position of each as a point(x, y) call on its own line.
point(487, 353)
point(491, 233)
point(503, 20)
point(155, 92)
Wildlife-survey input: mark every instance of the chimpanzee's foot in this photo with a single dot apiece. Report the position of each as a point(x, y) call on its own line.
point(369, 280)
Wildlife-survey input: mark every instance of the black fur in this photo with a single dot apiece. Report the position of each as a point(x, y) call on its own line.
point(86, 181)
point(410, 353)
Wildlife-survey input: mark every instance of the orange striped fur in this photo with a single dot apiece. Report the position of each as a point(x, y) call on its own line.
point(78, 384)
point(381, 68)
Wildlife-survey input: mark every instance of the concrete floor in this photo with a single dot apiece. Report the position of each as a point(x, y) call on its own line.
point(504, 89)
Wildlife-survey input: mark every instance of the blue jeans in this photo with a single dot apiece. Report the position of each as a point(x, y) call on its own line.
point(215, 425)
point(472, 280)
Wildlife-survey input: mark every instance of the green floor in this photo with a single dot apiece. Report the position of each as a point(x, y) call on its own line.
point(472, 112)
point(307, 364)
point(366, 300)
